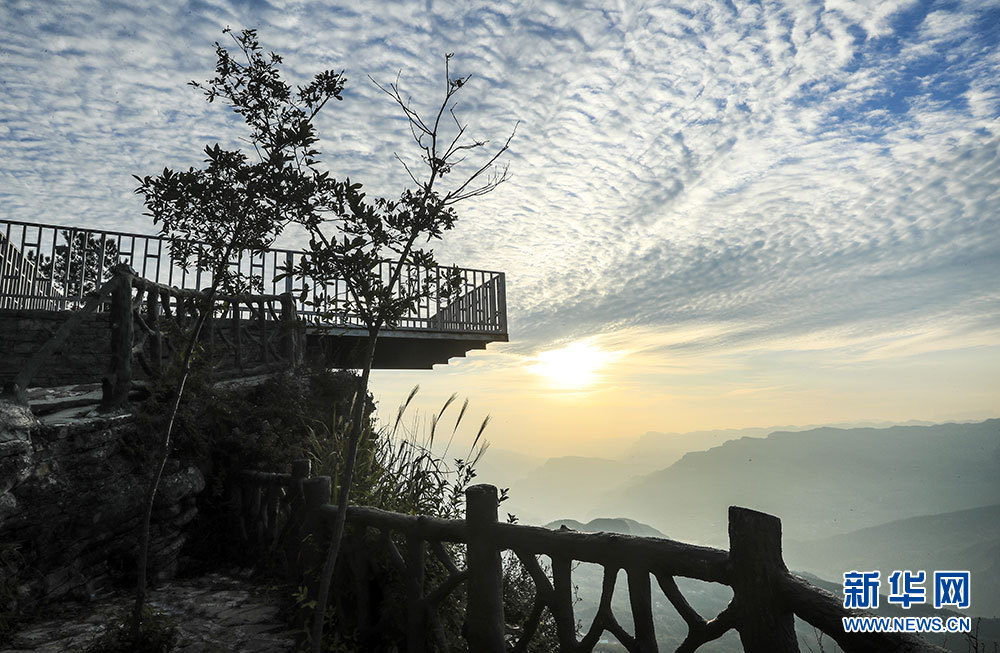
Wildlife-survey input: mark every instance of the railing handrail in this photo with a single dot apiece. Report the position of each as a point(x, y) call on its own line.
point(189, 293)
point(130, 234)
point(76, 259)
point(765, 593)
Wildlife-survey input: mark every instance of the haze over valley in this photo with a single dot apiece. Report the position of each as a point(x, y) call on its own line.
point(905, 497)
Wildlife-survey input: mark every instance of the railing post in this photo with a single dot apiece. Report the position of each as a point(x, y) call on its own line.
point(235, 325)
point(502, 301)
point(250, 502)
point(415, 608)
point(301, 468)
point(291, 542)
point(155, 338)
point(438, 318)
point(764, 623)
point(262, 324)
point(289, 265)
point(562, 603)
point(289, 336)
point(236, 483)
point(642, 609)
point(484, 626)
point(118, 379)
point(316, 491)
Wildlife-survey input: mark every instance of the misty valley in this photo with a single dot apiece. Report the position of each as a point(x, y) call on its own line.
point(920, 497)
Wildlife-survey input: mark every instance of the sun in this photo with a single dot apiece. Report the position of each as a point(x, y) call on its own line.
point(572, 367)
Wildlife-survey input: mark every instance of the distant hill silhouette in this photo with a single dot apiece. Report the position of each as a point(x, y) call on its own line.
point(656, 450)
point(964, 540)
point(567, 486)
point(608, 525)
point(821, 482)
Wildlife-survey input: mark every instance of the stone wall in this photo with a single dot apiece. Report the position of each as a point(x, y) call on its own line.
point(71, 497)
point(83, 358)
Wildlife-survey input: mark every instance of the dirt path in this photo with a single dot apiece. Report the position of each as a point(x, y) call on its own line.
point(215, 613)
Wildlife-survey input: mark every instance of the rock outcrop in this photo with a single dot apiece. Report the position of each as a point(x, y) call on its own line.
point(71, 498)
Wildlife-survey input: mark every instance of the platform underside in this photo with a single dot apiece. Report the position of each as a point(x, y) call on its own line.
point(396, 349)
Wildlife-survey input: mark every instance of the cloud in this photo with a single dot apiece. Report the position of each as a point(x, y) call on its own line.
point(785, 167)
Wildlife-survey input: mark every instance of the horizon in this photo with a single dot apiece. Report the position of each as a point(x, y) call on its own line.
point(720, 216)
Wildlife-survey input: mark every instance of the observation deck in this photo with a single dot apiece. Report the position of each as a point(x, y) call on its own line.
point(53, 268)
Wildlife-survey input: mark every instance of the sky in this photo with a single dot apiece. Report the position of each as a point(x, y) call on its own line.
point(720, 214)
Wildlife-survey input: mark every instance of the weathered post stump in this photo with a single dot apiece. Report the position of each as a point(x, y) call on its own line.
point(291, 348)
point(415, 609)
point(116, 383)
point(313, 539)
point(484, 625)
point(764, 623)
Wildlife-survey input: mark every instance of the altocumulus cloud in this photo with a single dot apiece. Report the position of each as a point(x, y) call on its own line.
point(782, 168)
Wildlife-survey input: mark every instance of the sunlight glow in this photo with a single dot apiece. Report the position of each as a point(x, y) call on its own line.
point(573, 367)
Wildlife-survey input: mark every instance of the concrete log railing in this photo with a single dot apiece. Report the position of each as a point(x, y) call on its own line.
point(247, 334)
point(285, 510)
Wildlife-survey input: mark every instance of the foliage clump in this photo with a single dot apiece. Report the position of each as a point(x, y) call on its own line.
point(79, 265)
point(224, 429)
point(267, 426)
point(407, 471)
point(11, 569)
point(157, 633)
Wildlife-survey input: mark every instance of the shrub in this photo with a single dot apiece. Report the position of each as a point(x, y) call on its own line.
point(158, 633)
point(396, 469)
point(399, 469)
point(11, 564)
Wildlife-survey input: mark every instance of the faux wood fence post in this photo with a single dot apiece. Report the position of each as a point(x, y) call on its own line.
point(116, 383)
point(415, 608)
point(155, 338)
point(764, 623)
point(301, 468)
point(236, 326)
point(484, 612)
point(271, 509)
point(562, 603)
point(291, 541)
point(289, 336)
point(265, 352)
point(249, 496)
point(642, 609)
point(316, 491)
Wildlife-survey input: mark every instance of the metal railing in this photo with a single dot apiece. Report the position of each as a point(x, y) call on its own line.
point(53, 267)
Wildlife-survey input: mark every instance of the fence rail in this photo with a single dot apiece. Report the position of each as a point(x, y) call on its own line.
point(283, 511)
point(53, 267)
point(150, 322)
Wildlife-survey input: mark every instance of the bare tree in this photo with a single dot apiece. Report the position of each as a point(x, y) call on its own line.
point(379, 240)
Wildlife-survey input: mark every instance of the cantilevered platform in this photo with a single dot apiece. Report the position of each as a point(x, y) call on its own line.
point(48, 268)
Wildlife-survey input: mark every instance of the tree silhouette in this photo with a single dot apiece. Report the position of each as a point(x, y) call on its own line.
point(379, 239)
point(235, 202)
point(79, 265)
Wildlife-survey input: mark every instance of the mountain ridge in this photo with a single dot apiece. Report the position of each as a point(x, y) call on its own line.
point(825, 480)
